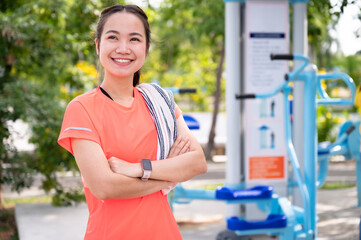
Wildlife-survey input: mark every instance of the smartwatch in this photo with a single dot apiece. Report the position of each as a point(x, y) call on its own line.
point(147, 169)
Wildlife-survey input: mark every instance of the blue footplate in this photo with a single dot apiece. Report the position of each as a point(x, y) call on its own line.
point(257, 192)
point(272, 221)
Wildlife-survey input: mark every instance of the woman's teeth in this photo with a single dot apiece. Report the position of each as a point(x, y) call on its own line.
point(122, 60)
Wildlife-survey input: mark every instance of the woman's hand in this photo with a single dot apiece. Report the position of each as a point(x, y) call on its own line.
point(123, 167)
point(180, 146)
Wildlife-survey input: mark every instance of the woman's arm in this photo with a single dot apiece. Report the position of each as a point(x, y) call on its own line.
point(178, 168)
point(102, 181)
point(185, 166)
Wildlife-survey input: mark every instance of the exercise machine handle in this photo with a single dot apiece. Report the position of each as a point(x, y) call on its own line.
point(282, 57)
point(263, 95)
point(187, 90)
point(292, 57)
point(245, 96)
point(350, 129)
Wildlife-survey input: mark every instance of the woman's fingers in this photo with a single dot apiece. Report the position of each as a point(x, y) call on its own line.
point(180, 146)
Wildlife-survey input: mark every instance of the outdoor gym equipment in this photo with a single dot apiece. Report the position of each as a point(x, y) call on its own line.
point(348, 145)
point(284, 219)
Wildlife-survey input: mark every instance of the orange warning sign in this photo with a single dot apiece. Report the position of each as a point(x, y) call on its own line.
point(266, 167)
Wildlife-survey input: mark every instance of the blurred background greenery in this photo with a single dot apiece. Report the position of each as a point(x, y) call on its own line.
point(47, 57)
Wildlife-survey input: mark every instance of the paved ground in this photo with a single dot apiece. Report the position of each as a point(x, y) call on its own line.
point(199, 220)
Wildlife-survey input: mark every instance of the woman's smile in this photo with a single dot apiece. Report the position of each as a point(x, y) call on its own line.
point(122, 61)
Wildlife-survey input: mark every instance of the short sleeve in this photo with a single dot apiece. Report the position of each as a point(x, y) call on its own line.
point(76, 124)
point(177, 111)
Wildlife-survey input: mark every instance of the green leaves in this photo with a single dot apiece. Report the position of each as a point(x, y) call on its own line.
point(41, 45)
point(187, 36)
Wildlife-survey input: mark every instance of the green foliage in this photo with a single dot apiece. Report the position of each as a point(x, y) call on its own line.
point(67, 198)
point(326, 124)
point(350, 65)
point(337, 185)
point(45, 60)
point(188, 39)
point(320, 20)
point(10, 203)
point(322, 16)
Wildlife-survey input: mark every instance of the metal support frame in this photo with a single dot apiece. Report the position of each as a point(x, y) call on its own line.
point(233, 87)
point(299, 47)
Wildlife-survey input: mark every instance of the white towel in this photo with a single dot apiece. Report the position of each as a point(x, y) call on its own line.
point(161, 106)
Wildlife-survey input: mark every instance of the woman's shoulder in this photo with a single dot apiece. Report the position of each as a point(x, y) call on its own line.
point(87, 97)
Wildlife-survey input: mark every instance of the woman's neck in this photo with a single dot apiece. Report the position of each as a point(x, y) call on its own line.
point(120, 90)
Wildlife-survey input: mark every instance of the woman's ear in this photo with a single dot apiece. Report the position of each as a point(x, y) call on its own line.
point(96, 46)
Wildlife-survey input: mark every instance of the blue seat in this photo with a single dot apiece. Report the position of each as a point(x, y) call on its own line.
point(272, 221)
point(191, 122)
point(257, 192)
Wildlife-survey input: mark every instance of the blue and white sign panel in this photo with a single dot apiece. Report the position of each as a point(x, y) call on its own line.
point(267, 31)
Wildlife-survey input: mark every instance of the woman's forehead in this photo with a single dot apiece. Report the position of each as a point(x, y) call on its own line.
point(124, 22)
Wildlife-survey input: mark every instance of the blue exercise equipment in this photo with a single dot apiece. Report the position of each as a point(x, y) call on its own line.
point(347, 144)
point(257, 192)
point(192, 123)
point(272, 221)
point(284, 219)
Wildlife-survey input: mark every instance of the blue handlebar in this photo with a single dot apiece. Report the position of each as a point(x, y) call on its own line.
point(304, 62)
point(295, 57)
point(325, 99)
point(272, 93)
point(289, 76)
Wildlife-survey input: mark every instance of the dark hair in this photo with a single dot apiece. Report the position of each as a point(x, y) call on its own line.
point(134, 9)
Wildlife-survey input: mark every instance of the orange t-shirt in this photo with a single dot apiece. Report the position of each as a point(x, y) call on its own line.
point(127, 133)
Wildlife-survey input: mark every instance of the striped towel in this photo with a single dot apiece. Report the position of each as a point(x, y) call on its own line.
point(161, 105)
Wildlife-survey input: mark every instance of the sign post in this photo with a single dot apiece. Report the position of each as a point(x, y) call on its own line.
point(265, 154)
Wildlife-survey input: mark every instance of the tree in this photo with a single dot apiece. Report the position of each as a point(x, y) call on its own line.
point(46, 60)
point(186, 30)
point(322, 16)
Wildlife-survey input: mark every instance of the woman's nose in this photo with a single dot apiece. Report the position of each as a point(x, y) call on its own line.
point(123, 48)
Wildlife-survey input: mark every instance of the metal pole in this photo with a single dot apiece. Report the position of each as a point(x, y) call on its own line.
point(310, 144)
point(233, 86)
point(358, 183)
point(299, 47)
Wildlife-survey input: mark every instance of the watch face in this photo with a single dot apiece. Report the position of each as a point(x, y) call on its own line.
point(147, 165)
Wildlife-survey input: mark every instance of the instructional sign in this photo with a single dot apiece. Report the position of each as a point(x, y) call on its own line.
point(267, 31)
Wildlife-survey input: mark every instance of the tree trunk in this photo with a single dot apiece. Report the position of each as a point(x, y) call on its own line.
point(217, 99)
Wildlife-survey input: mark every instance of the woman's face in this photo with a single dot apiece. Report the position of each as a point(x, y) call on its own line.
point(122, 49)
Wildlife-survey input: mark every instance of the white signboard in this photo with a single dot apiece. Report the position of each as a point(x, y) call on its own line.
point(267, 31)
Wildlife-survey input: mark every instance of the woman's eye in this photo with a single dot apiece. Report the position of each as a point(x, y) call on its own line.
point(112, 37)
point(134, 39)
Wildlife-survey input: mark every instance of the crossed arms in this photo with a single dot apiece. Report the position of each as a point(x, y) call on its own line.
point(116, 178)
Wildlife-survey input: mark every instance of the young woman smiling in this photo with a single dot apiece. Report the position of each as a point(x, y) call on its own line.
point(116, 135)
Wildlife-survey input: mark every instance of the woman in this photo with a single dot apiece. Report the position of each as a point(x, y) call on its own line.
point(112, 131)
